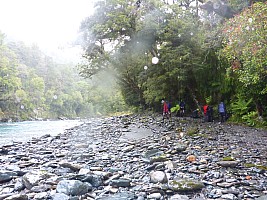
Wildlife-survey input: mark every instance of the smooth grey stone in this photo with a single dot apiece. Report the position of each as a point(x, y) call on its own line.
point(262, 198)
point(179, 197)
point(60, 196)
point(158, 177)
point(118, 196)
point(121, 183)
point(72, 187)
point(17, 197)
point(5, 177)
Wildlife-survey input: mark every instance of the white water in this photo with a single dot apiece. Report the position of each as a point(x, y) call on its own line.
point(24, 131)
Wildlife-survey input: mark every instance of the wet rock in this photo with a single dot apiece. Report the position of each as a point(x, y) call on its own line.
point(170, 165)
point(3, 196)
point(121, 183)
point(185, 185)
point(41, 195)
point(73, 187)
point(109, 158)
point(154, 155)
point(215, 193)
point(94, 180)
point(115, 176)
point(15, 168)
point(229, 196)
point(60, 196)
point(40, 188)
point(160, 158)
point(17, 197)
point(179, 197)
point(154, 196)
point(6, 176)
point(158, 177)
point(180, 147)
point(262, 198)
point(118, 196)
point(226, 185)
point(128, 148)
point(228, 163)
point(19, 184)
point(33, 178)
point(3, 150)
point(72, 166)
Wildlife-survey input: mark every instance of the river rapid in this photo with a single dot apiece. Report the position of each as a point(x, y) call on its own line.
point(24, 131)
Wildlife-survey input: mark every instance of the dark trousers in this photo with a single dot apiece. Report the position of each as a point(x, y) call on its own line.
point(222, 116)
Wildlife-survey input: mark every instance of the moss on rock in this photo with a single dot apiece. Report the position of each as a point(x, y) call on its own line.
point(184, 185)
point(161, 158)
point(192, 131)
point(228, 159)
point(249, 165)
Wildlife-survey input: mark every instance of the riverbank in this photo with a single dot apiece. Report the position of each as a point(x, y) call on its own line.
point(138, 157)
point(23, 131)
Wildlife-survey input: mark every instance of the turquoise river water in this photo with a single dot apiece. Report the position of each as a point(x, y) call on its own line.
point(24, 131)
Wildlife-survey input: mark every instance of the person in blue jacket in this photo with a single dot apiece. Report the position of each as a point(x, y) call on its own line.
point(222, 111)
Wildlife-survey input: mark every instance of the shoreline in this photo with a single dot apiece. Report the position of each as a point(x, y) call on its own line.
point(96, 160)
point(20, 132)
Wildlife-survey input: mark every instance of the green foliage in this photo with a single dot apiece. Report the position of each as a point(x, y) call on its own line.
point(244, 46)
point(250, 118)
point(240, 107)
point(195, 53)
point(33, 86)
point(238, 5)
point(242, 112)
point(245, 41)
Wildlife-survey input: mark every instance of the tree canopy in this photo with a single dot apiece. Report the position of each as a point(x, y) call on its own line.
point(213, 50)
point(34, 87)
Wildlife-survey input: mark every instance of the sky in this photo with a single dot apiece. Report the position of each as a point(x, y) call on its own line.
point(51, 24)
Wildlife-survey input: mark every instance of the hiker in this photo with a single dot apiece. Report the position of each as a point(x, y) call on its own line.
point(182, 108)
point(166, 112)
point(205, 111)
point(222, 111)
point(210, 113)
point(195, 113)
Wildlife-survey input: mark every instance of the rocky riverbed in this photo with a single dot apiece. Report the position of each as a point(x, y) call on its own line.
point(138, 157)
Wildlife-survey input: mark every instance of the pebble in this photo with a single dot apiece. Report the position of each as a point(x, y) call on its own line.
point(138, 157)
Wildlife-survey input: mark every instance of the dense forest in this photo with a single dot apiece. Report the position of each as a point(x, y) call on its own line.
point(34, 87)
point(207, 52)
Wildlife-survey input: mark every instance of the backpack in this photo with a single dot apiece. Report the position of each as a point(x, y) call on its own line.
point(221, 107)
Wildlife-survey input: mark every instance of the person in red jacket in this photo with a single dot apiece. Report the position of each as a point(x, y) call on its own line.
point(166, 112)
point(205, 111)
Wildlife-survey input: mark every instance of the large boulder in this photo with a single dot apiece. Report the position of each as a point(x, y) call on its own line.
point(158, 177)
point(230, 163)
point(33, 178)
point(121, 183)
point(6, 176)
point(73, 187)
point(185, 185)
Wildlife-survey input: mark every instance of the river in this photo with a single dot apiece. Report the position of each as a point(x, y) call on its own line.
point(24, 131)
